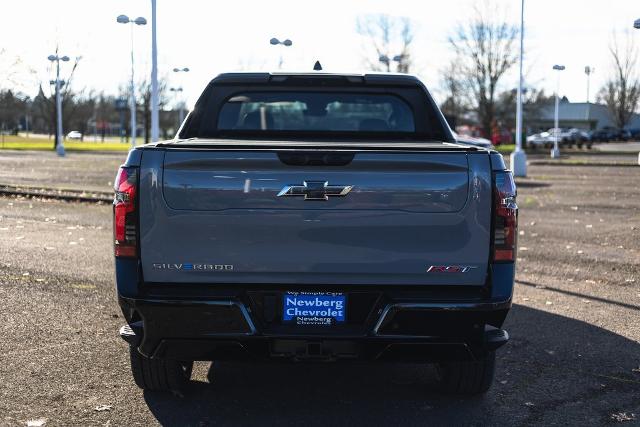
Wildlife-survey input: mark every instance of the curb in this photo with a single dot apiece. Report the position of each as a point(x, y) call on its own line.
point(57, 194)
point(565, 163)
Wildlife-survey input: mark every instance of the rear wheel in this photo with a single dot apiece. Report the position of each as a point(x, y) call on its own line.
point(159, 374)
point(473, 377)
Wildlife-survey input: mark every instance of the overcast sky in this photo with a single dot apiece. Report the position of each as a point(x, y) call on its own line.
point(211, 37)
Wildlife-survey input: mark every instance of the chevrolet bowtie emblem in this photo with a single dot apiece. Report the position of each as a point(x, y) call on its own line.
point(315, 190)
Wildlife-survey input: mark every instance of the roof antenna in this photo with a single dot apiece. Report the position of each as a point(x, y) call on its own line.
point(317, 66)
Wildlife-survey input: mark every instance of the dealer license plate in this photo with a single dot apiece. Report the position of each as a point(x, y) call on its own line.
point(314, 308)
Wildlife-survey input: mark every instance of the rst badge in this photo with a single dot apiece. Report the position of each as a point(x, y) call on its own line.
point(450, 268)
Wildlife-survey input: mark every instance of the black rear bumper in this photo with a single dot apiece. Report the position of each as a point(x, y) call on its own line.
point(387, 325)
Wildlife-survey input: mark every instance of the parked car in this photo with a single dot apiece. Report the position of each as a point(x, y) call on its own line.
point(263, 232)
point(472, 140)
point(634, 134)
point(566, 137)
point(579, 137)
point(74, 134)
point(540, 140)
point(607, 134)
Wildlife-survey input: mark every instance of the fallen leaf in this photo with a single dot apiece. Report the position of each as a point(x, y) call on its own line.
point(622, 417)
point(83, 286)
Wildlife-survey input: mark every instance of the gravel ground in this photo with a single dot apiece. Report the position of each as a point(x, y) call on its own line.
point(80, 171)
point(574, 356)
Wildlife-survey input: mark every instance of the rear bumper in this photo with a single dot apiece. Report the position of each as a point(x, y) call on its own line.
point(249, 328)
point(215, 322)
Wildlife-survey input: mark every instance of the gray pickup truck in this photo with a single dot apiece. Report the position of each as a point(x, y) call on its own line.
point(314, 217)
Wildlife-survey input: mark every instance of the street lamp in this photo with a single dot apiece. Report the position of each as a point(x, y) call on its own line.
point(555, 153)
point(59, 140)
point(124, 19)
point(177, 91)
point(385, 60)
point(155, 102)
point(636, 25)
point(519, 157)
point(588, 71)
point(286, 43)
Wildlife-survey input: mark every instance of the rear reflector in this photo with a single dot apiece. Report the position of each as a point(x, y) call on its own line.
point(505, 220)
point(125, 226)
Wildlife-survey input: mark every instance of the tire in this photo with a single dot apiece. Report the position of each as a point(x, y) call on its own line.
point(159, 374)
point(473, 377)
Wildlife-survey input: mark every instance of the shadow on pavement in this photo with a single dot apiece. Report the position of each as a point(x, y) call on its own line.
point(554, 370)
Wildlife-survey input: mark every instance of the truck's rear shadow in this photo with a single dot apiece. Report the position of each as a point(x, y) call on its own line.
point(555, 369)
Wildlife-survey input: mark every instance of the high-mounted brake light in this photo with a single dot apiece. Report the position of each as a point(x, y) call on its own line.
point(125, 230)
point(505, 231)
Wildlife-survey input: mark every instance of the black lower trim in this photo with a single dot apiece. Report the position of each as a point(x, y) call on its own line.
point(237, 324)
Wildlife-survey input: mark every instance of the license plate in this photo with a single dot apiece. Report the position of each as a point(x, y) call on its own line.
point(314, 308)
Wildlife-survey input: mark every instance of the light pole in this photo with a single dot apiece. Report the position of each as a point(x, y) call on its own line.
point(555, 153)
point(155, 115)
point(588, 71)
point(177, 91)
point(636, 25)
point(519, 157)
point(181, 111)
point(286, 43)
point(385, 60)
point(59, 139)
point(124, 19)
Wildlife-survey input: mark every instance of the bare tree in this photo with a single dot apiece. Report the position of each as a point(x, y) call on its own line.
point(486, 50)
point(389, 40)
point(621, 92)
point(455, 103)
point(45, 105)
point(144, 90)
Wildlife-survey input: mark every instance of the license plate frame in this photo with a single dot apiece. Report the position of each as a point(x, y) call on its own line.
point(314, 308)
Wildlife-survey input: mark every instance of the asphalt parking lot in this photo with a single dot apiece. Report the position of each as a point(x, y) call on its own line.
point(573, 358)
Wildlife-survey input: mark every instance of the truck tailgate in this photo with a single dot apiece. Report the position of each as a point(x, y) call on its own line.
point(251, 216)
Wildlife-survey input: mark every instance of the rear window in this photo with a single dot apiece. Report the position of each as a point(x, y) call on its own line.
point(315, 112)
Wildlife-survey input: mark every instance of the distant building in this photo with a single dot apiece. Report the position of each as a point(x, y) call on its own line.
point(581, 115)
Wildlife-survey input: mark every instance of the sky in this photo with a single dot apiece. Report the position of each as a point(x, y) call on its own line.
point(214, 36)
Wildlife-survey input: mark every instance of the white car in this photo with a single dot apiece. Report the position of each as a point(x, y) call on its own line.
point(538, 140)
point(74, 134)
point(472, 140)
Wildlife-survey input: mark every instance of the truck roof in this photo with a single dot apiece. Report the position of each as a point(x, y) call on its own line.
point(395, 79)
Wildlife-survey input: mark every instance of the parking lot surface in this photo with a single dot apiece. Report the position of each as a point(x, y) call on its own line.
point(573, 358)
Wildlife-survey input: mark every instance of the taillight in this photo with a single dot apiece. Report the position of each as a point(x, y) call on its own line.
point(125, 226)
point(505, 231)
